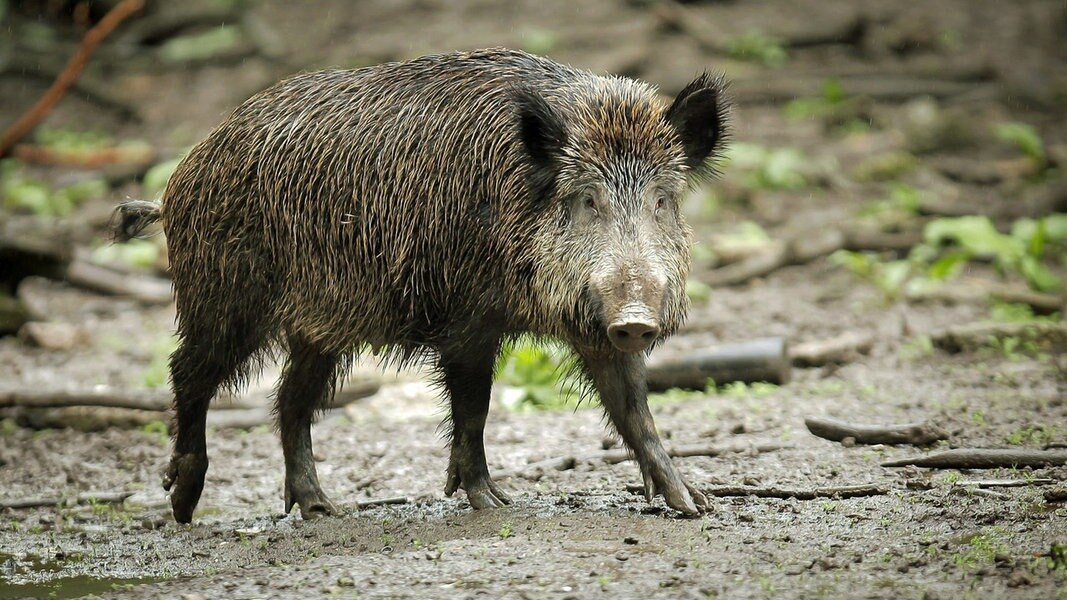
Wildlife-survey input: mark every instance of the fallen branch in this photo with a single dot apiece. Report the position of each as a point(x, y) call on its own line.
point(92, 39)
point(89, 158)
point(764, 359)
point(100, 396)
point(806, 247)
point(976, 291)
point(1048, 335)
point(915, 434)
point(83, 498)
point(833, 350)
point(144, 288)
point(984, 458)
point(847, 491)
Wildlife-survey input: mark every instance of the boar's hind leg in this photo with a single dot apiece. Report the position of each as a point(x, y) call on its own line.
point(203, 362)
point(306, 386)
point(468, 380)
point(620, 381)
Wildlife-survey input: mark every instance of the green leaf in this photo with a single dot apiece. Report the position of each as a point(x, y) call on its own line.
point(1038, 275)
point(1024, 137)
point(976, 235)
point(948, 266)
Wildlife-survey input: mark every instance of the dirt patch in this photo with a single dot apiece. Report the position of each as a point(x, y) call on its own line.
point(578, 531)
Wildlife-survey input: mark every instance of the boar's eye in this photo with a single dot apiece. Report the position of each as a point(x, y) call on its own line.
point(589, 200)
point(661, 199)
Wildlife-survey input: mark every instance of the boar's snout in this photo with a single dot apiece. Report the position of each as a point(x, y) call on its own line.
point(635, 330)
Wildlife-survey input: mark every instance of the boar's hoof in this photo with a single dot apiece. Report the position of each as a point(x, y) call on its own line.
point(313, 502)
point(482, 493)
point(184, 479)
point(679, 495)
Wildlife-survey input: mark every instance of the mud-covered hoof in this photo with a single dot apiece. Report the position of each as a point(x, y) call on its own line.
point(488, 496)
point(312, 501)
point(184, 479)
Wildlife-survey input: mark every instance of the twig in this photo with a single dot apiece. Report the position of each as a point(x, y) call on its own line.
point(981, 292)
point(847, 491)
point(916, 434)
point(762, 359)
point(983, 458)
point(383, 501)
point(1004, 483)
point(92, 38)
point(833, 350)
point(617, 456)
point(83, 498)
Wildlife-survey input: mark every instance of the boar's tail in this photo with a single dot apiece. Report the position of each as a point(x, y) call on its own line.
point(131, 218)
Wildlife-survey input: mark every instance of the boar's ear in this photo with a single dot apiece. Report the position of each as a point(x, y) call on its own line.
point(543, 135)
point(698, 115)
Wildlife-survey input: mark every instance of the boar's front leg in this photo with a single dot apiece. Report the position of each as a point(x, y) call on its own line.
point(620, 380)
point(468, 381)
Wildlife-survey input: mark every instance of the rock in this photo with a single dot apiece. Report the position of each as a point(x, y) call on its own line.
point(51, 335)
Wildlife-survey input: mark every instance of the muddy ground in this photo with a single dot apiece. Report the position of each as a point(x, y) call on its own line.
point(579, 532)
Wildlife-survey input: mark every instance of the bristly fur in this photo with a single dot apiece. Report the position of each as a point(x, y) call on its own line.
point(710, 89)
point(431, 208)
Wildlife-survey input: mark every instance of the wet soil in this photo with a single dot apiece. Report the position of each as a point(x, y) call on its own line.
point(581, 532)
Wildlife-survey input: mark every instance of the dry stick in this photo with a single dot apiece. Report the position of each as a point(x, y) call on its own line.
point(92, 38)
point(916, 434)
point(93, 158)
point(847, 491)
point(83, 498)
point(566, 463)
point(1003, 483)
point(983, 458)
point(383, 501)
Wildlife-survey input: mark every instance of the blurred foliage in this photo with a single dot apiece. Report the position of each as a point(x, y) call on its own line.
point(768, 168)
point(886, 167)
point(542, 372)
point(200, 46)
point(836, 110)
point(21, 192)
point(539, 41)
point(1015, 312)
point(697, 291)
point(951, 243)
point(758, 47)
point(137, 253)
point(900, 206)
point(1025, 138)
point(156, 374)
point(156, 178)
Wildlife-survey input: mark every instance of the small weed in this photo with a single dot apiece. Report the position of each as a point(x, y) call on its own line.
point(21, 192)
point(539, 41)
point(829, 506)
point(1025, 138)
point(981, 549)
point(505, 531)
point(978, 418)
point(916, 349)
point(1040, 435)
point(758, 47)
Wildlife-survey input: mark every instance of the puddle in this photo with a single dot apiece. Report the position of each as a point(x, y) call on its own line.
point(29, 577)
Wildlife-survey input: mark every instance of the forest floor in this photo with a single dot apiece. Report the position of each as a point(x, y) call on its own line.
point(865, 127)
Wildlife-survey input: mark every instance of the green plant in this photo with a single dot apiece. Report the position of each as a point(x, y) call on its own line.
point(1040, 435)
point(889, 276)
point(768, 168)
point(758, 47)
point(1025, 138)
point(505, 531)
point(158, 429)
point(19, 191)
point(981, 549)
point(542, 371)
point(141, 254)
point(916, 349)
